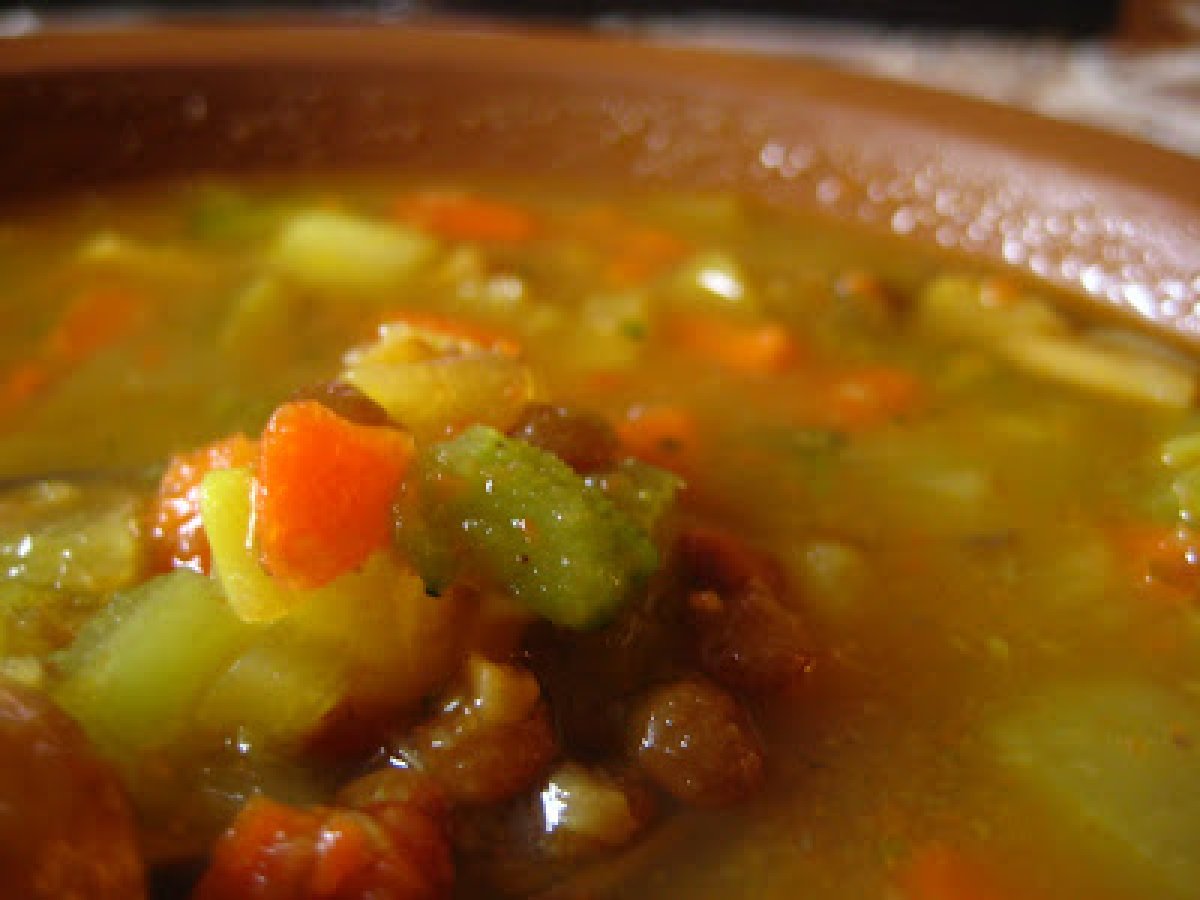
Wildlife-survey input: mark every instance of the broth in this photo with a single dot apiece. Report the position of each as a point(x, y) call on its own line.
point(914, 543)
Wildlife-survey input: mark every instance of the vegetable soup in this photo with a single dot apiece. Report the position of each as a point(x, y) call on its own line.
point(362, 538)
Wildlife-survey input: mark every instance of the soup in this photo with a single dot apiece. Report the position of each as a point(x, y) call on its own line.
point(364, 538)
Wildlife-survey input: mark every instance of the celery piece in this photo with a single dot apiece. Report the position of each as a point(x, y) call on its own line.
point(335, 251)
point(643, 492)
point(501, 509)
point(226, 501)
point(1120, 757)
point(66, 536)
point(134, 672)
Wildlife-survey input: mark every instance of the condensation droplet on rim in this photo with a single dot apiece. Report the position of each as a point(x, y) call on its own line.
point(904, 220)
point(829, 190)
point(1014, 251)
point(1139, 297)
point(1093, 279)
point(772, 155)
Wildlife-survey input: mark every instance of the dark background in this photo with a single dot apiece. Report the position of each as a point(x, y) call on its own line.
point(1072, 18)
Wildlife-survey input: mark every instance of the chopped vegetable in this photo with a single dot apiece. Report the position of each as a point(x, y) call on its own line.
point(435, 383)
point(134, 673)
point(90, 323)
point(1120, 757)
point(503, 511)
point(662, 435)
point(64, 536)
point(734, 345)
point(1117, 373)
point(338, 252)
point(177, 537)
point(457, 215)
point(226, 505)
point(325, 492)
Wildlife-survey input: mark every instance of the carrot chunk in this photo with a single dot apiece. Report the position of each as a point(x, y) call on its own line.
point(177, 538)
point(90, 323)
point(868, 397)
point(761, 348)
point(462, 216)
point(325, 492)
point(660, 434)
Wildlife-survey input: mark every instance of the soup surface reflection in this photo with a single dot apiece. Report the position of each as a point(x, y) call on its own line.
point(368, 538)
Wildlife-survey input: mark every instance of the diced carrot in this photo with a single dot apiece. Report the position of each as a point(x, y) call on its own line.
point(867, 397)
point(1163, 561)
point(270, 846)
point(343, 849)
point(758, 348)
point(177, 539)
point(465, 336)
point(936, 872)
point(325, 492)
point(462, 216)
point(644, 253)
point(91, 322)
point(660, 434)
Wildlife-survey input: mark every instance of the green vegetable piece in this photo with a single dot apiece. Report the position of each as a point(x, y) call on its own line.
point(133, 674)
point(1124, 759)
point(643, 492)
point(520, 517)
point(335, 251)
point(55, 534)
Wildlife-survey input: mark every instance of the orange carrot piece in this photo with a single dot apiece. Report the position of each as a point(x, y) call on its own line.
point(177, 539)
point(325, 492)
point(937, 872)
point(644, 253)
point(660, 434)
point(1163, 561)
point(757, 349)
point(462, 216)
point(343, 850)
point(91, 322)
point(267, 853)
point(868, 397)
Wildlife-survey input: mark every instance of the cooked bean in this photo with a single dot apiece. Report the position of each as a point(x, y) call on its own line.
point(582, 440)
point(745, 636)
point(66, 829)
point(696, 742)
point(490, 740)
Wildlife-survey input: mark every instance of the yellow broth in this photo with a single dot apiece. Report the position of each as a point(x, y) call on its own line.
point(992, 555)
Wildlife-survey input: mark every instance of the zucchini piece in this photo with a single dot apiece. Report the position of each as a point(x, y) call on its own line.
point(519, 517)
point(1123, 758)
point(135, 671)
point(335, 251)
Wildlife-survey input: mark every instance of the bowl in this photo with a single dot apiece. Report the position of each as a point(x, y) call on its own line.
point(1114, 222)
